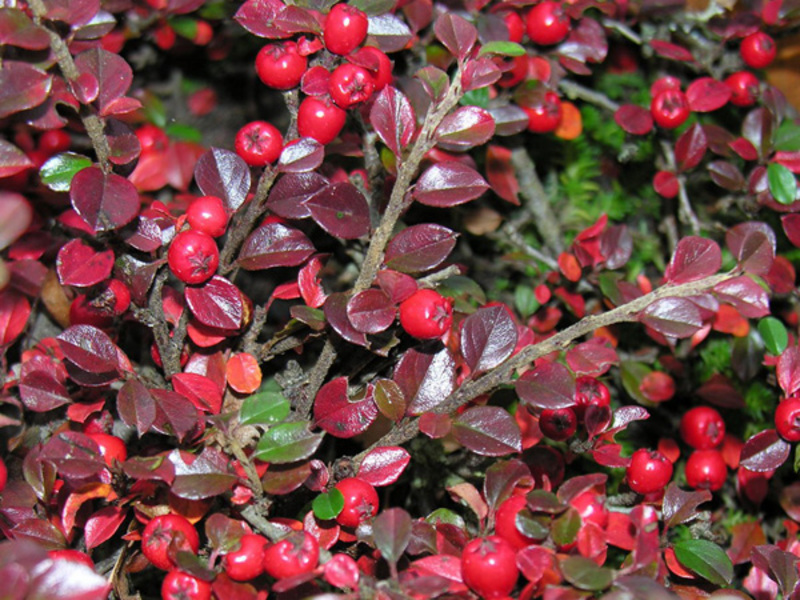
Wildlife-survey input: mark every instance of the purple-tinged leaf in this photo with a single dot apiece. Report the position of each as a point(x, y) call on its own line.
point(719, 390)
point(223, 174)
point(745, 295)
point(288, 196)
point(488, 431)
point(501, 479)
point(336, 414)
point(396, 285)
point(75, 455)
point(175, 414)
point(40, 391)
point(550, 385)
point(479, 73)
point(449, 183)
point(616, 245)
point(593, 357)
point(341, 210)
point(90, 349)
point(391, 533)
point(765, 451)
point(673, 317)
point(274, 245)
point(371, 311)
point(301, 156)
point(671, 51)
point(383, 465)
point(753, 246)
point(788, 371)
point(123, 143)
point(456, 33)
point(791, 227)
point(393, 119)
point(435, 426)
point(691, 147)
point(681, 507)
point(259, 16)
point(757, 128)
point(294, 19)
point(508, 120)
point(103, 524)
point(150, 467)
point(488, 337)
point(694, 258)
point(467, 127)
point(12, 159)
point(208, 475)
point(17, 29)
point(136, 406)
point(22, 86)
point(779, 565)
point(80, 265)
point(435, 81)
point(389, 32)
point(577, 485)
point(217, 303)
point(425, 379)
point(112, 73)
point(706, 94)
point(634, 119)
point(586, 43)
point(66, 580)
point(72, 12)
point(420, 248)
point(390, 399)
point(105, 201)
point(335, 309)
point(744, 148)
point(726, 175)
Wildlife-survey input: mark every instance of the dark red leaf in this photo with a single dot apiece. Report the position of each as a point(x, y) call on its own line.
point(17, 29)
point(467, 127)
point(90, 349)
point(616, 246)
point(40, 391)
point(335, 413)
point(103, 524)
point(706, 94)
point(634, 119)
point(396, 285)
point(673, 317)
point(788, 370)
point(745, 295)
point(288, 196)
point(74, 454)
point(301, 156)
point(695, 258)
point(456, 33)
point(789, 159)
point(448, 184)
point(726, 175)
point(425, 379)
point(12, 159)
point(665, 183)
point(586, 42)
point(175, 414)
point(383, 465)
point(479, 73)
point(508, 120)
point(308, 281)
point(274, 245)
point(335, 309)
point(718, 390)
point(206, 476)
point(105, 201)
point(80, 265)
point(744, 149)
point(680, 506)
point(757, 128)
point(488, 431)
point(259, 18)
point(222, 173)
point(390, 32)
point(73, 12)
point(22, 86)
point(14, 312)
point(111, 72)
point(341, 210)
point(420, 248)
point(791, 227)
point(216, 303)
point(501, 479)
point(501, 174)
point(550, 385)
point(488, 337)
point(201, 390)
point(371, 311)
point(691, 147)
point(672, 51)
point(765, 451)
point(753, 246)
point(136, 406)
point(393, 119)
point(593, 357)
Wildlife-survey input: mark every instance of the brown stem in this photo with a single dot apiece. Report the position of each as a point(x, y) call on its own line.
point(170, 357)
point(536, 201)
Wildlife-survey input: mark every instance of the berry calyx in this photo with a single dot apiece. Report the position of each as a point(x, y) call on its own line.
point(295, 554)
point(545, 115)
point(649, 471)
point(706, 469)
point(787, 419)
point(702, 427)
point(758, 50)
point(247, 562)
point(208, 214)
point(558, 424)
point(426, 314)
point(350, 85)
point(744, 88)
point(320, 120)
point(360, 501)
point(166, 533)
point(488, 566)
point(259, 143)
point(281, 66)
point(193, 256)
point(547, 23)
point(345, 29)
point(670, 108)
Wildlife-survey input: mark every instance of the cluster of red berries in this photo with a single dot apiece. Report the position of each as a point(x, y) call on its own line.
point(193, 255)
point(560, 424)
point(703, 429)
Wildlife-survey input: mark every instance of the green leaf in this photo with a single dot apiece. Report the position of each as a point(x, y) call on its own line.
point(706, 559)
point(782, 183)
point(479, 97)
point(502, 48)
point(58, 171)
point(774, 335)
point(565, 528)
point(525, 301)
point(797, 458)
point(373, 8)
point(585, 574)
point(328, 506)
point(787, 138)
point(265, 407)
point(287, 443)
point(184, 27)
point(187, 133)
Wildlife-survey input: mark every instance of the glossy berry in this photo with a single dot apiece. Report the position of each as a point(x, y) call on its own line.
point(547, 23)
point(320, 120)
point(668, 82)
point(758, 50)
point(744, 88)
point(165, 531)
point(514, 24)
point(545, 115)
point(281, 66)
point(670, 108)
point(295, 554)
point(589, 391)
point(426, 314)
point(208, 214)
point(516, 73)
point(505, 522)
point(3, 474)
point(350, 85)
point(702, 428)
point(706, 469)
point(259, 143)
point(111, 447)
point(345, 29)
point(152, 137)
point(787, 419)
point(649, 471)
point(193, 256)
point(488, 567)
point(591, 507)
point(558, 424)
point(247, 562)
point(376, 62)
point(70, 555)
point(54, 141)
point(178, 585)
point(360, 501)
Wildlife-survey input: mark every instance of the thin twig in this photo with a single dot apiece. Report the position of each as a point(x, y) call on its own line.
point(624, 30)
point(575, 90)
point(536, 201)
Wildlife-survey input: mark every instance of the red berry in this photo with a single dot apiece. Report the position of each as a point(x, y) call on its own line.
point(590, 392)
point(208, 214)
point(259, 143)
point(152, 137)
point(591, 508)
point(668, 82)
point(649, 471)
point(758, 50)
point(293, 555)
point(54, 141)
point(281, 66)
point(787, 419)
point(350, 85)
point(505, 522)
point(320, 120)
point(545, 115)
point(247, 562)
point(426, 314)
point(516, 74)
point(178, 585)
point(489, 567)
point(670, 108)
point(558, 424)
point(514, 24)
point(3, 474)
point(193, 256)
point(702, 428)
point(744, 88)
point(547, 23)
point(165, 532)
point(706, 469)
point(360, 501)
point(345, 29)
point(376, 62)
point(111, 447)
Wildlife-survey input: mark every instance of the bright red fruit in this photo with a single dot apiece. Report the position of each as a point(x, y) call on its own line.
point(668, 82)
point(516, 74)
point(165, 531)
point(178, 585)
point(3, 474)
point(152, 137)
point(193, 256)
point(281, 66)
point(505, 523)
point(706, 469)
point(360, 501)
point(295, 554)
point(54, 141)
point(208, 214)
point(670, 108)
point(544, 116)
point(345, 29)
point(547, 23)
point(702, 428)
point(111, 447)
point(247, 562)
point(744, 88)
point(787, 419)
point(488, 566)
point(376, 62)
point(320, 120)
point(589, 391)
point(350, 85)
point(259, 143)
point(515, 25)
point(558, 424)
point(649, 471)
point(758, 50)
point(426, 314)
point(591, 507)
